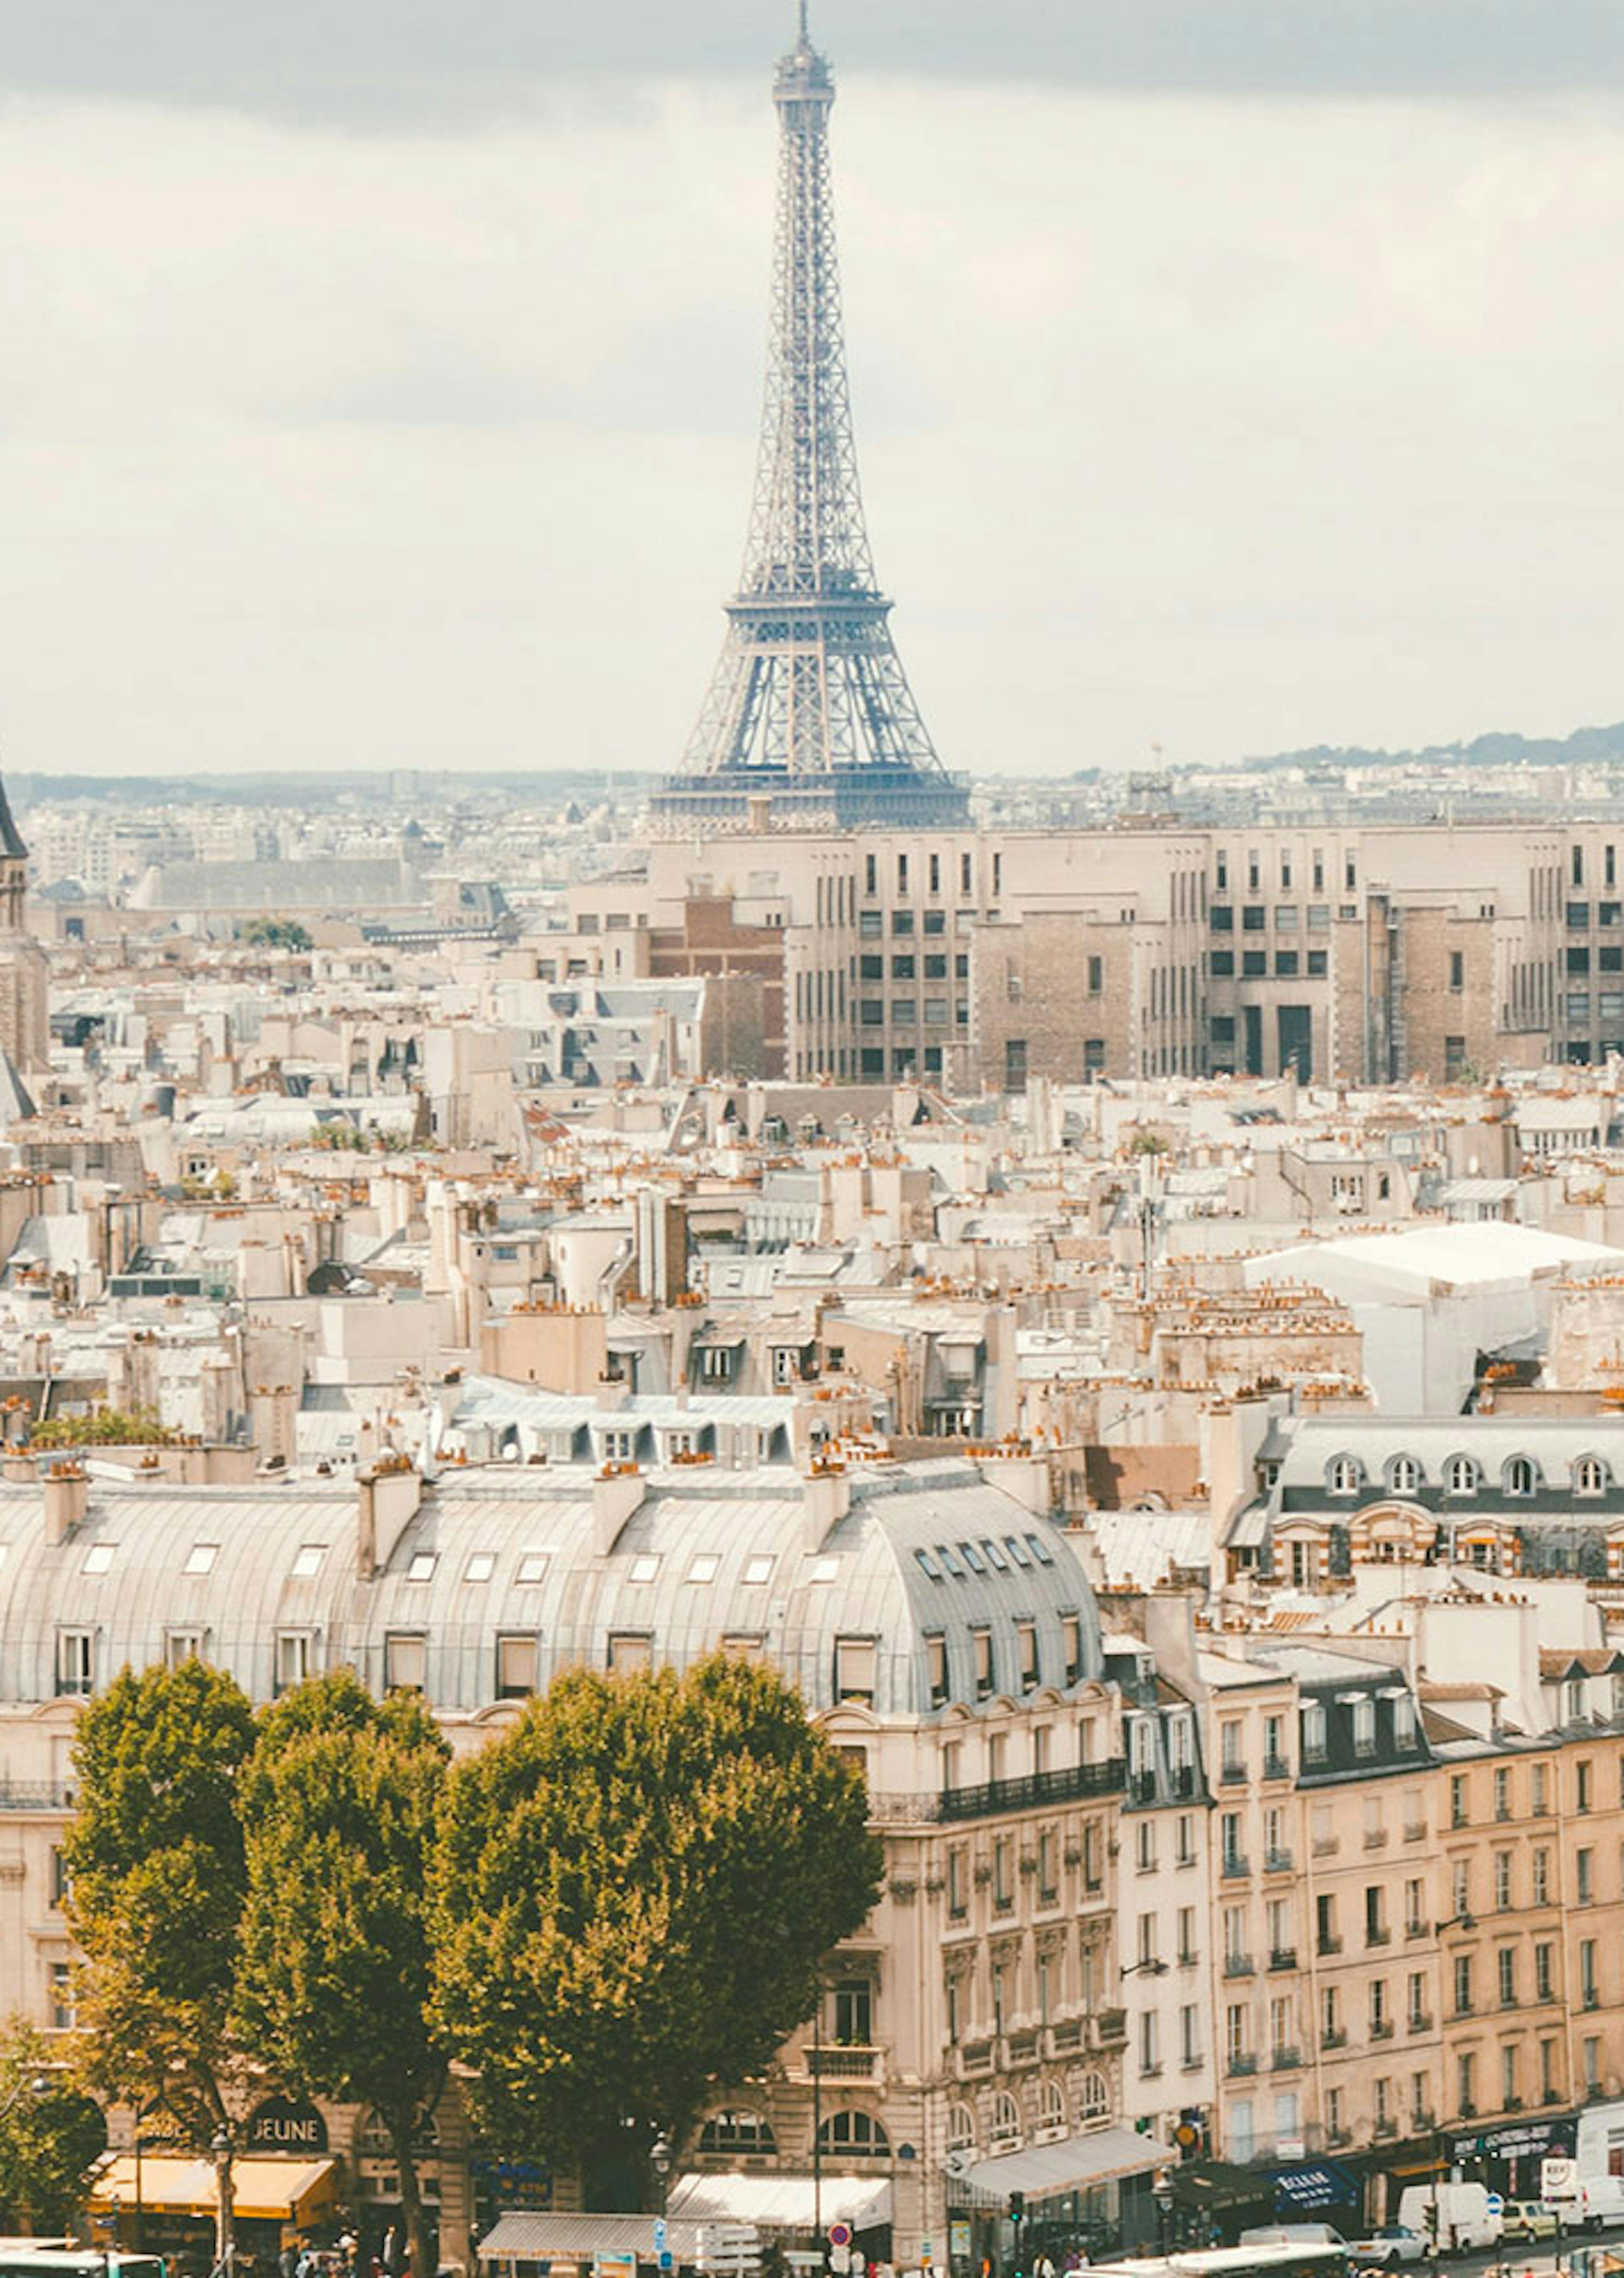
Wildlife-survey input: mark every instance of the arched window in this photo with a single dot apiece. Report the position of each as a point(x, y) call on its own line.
point(1006, 2116)
point(855, 2136)
point(1521, 1476)
point(1345, 1475)
point(1096, 2096)
point(1404, 1475)
point(1461, 1476)
point(1590, 1476)
point(961, 2128)
point(377, 2142)
point(1051, 2105)
point(744, 2134)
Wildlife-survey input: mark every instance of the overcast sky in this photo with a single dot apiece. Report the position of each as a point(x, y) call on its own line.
point(380, 376)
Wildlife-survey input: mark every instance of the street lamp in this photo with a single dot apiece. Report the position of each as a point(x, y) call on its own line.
point(220, 2144)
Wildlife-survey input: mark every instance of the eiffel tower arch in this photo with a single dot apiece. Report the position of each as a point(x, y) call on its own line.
point(809, 722)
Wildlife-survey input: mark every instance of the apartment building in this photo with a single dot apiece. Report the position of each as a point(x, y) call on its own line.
point(1369, 953)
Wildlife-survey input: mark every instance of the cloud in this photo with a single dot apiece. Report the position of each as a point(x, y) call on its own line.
point(438, 63)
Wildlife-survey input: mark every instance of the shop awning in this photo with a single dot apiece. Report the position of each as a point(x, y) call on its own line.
point(269, 2190)
point(778, 2202)
point(1045, 2170)
point(1217, 2183)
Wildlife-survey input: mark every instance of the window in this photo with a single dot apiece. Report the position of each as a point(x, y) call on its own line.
point(405, 1663)
point(1186, 1935)
point(63, 2014)
point(1314, 1729)
point(1519, 1476)
point(629, 1652)
point(75, 1662)
point(1346, 1475)
point(1506, 1970)
point(1072, 1646)
point(982, 1651)
point(936, 1670)
point(1542, 1878)
point(857, 1664)
point(1463, 1984)
point(422, 1567)
point(533, 1568)
point(1588, 1992)
point(854, 2135)
point(1544, 1983)
point(307, 1560)
point(644, 1569)
point(99, 1558)
point(292, 1658)
point(740, 2135)
point(181, 1646)
point(1456, 969)
point(1457, 1800)
point(1027, 1653)
point(1364, 1726)
point(480, 1567)
point(1584, 1876)
point(1502, 1880)
point(1590, 1476)
point(515, 1667)
point(1461, 1476)
point(201, 1558)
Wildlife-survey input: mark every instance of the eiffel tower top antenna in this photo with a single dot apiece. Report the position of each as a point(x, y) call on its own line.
point(805, 35)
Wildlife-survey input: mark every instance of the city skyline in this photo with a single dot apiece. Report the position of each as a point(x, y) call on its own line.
point(263, 444)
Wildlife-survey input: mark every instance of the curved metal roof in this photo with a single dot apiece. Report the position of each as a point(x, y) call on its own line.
point(492, 1553)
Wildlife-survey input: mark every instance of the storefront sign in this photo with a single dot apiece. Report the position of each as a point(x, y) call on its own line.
point(281, 2125)
point(1518, 2139)
point(1321, 2183)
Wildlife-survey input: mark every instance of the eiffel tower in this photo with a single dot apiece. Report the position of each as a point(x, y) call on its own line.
point(809, 721)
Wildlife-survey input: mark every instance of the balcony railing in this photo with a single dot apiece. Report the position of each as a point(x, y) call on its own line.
point(1238, 1965)
point(34, 1795)
point(1110, 2028)
point(1282, 1957)
point(1285, 2058)
point(1067, 1784)
point(1021, 2048)
point(1334, 2038)
point(974, 2057)
point(1377, 1934)
point(1233, 1864)
point(1278, 1861)
point(848, 2062)
point(1240, 2064)
point(1328, 1942)
point(1382, 2029)
point(1276, 1767)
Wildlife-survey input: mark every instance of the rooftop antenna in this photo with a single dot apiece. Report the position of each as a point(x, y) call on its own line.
point(805, 34)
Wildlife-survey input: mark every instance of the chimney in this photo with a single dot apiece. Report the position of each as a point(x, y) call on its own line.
point(826, 1498)
point(617, 1496)
point(1023, 1475)
point(387, 1498)
point(67, 1498)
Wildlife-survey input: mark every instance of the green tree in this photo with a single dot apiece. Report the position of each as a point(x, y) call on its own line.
point(339, 1808)
point(52, 2134)
point(278, 933)
point(634, 1892)
point(155, 1859)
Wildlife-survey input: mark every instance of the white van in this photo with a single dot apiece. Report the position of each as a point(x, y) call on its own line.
point(1600, 2203)
point(1453, 2217)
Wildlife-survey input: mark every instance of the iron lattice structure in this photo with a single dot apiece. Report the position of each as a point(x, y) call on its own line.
point(810, 709)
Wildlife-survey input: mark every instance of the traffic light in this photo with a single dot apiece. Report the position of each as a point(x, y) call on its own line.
point(1018, 2207)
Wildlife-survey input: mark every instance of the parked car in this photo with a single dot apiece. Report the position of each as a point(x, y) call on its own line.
point(1530, 2219)
point(1395, 2242)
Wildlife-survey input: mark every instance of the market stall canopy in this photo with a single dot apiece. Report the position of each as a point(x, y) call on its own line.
point(777, 2202)
point(1044, 2171)
point(523, 2236)
point(273, 2191)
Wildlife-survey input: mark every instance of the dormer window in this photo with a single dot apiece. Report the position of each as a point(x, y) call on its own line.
point(1404, 1475)
point(1346, 1475)
point(1521, 1476)
point(1461, 1476)
point(1590, 1476)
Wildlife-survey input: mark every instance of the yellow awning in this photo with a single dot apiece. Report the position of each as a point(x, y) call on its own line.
point(266, 2191)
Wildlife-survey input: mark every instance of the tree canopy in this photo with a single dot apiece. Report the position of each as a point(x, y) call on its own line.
point(50, 2140)
point(633, 1895)
point(339, 1808)
point(155, 1858)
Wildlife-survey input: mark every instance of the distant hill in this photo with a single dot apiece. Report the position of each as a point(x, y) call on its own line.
point(1585, 747)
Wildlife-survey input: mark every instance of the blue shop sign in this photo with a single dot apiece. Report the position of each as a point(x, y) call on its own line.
point(1320, 2184)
